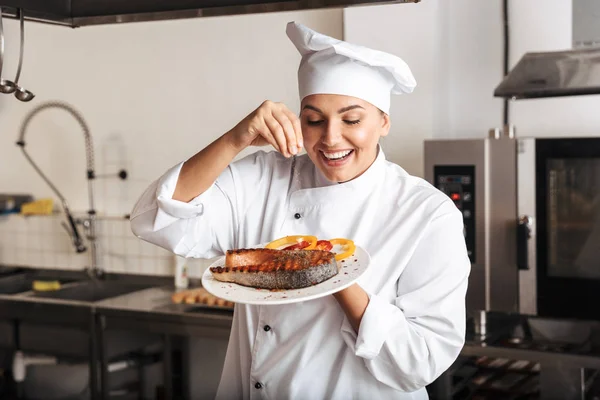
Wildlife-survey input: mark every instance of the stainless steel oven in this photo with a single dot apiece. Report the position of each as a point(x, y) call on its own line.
point(531, 208)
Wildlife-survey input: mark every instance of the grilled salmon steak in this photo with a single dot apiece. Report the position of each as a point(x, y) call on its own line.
point(276, 269)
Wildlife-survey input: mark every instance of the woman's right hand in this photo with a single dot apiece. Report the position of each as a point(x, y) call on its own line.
point(271, 123)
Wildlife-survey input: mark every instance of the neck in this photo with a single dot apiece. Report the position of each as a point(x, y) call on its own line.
point(366, 169)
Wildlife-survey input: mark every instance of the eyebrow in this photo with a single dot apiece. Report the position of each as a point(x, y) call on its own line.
point(340, 111)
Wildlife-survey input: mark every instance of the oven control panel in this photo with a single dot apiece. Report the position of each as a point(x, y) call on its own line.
point(458, 183)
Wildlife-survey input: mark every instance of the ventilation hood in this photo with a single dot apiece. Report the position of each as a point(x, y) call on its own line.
point(76, 13)
point(567, 72)
point(553, 74)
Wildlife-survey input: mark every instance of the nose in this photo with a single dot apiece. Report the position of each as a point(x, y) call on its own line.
point(332, 135)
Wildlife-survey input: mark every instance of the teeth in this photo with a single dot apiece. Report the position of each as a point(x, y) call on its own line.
point(339, 154)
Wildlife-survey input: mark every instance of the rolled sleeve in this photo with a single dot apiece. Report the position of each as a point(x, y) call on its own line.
point(375, 327)
point(200, 228)
point(208, 224)
point(170, 210)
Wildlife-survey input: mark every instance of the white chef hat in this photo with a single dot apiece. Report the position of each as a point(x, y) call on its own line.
point(332, 66)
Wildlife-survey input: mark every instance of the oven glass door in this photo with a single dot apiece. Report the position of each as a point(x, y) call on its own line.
point(568, 226)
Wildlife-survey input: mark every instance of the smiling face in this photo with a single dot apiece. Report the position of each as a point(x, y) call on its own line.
point(341, 134)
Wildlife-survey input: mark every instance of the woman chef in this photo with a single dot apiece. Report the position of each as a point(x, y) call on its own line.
point(403, 323)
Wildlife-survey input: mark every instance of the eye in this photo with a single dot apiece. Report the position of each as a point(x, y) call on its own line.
point(317, 122)
point(352, 122)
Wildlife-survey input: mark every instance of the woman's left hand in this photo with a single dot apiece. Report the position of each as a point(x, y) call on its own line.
point(354, 301)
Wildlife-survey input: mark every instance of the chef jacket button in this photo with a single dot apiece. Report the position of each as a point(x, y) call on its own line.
point(258, 385)
point(297, 216)
point(267, 328)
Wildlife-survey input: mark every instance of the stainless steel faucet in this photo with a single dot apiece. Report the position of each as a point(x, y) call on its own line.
point(89, 223)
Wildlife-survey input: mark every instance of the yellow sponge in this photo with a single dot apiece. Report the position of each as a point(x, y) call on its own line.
point(38, 207)
point(46, 286)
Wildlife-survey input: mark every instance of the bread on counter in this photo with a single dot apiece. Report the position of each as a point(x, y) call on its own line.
point(199, 296)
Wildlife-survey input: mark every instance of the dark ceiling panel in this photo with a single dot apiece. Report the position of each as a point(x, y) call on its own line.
point(95, 12)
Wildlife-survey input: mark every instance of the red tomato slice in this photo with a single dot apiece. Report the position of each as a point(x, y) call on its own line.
point(298, 246)
point(324, 245)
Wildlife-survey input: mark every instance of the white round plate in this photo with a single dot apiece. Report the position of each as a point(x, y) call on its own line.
point(350, 269)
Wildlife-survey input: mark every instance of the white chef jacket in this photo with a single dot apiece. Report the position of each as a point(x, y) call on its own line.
point(414, 325)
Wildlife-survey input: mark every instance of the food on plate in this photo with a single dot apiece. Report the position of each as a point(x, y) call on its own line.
point(307, 242)
point(305, 245)
point(293, 243)
point(199, 296)
point(290, 262)
point(324, 245)
point(243, 257)
point(276, 269)
point(347, 246)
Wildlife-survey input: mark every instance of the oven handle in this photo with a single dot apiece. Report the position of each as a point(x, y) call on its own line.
point(523, 236)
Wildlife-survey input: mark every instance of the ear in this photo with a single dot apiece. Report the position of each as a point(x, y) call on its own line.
point(386, 124)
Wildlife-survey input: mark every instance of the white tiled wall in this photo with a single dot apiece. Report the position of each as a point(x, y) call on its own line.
point(41, 241)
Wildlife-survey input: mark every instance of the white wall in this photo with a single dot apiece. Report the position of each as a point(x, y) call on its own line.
point(455, 49)
point(410, 32)
point(152, 93)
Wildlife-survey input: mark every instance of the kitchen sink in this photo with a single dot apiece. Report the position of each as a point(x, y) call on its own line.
point(22, 281)
point(76, 285)
point(91, 290)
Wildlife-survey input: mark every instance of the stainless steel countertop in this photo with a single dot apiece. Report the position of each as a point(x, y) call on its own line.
point(150, 306)
point(152, 310)
point(538, 339)
point(157, 300)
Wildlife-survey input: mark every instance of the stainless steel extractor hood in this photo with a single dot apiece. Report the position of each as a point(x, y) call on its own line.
point(553, 74)
point(76, 13)
point(571, 72)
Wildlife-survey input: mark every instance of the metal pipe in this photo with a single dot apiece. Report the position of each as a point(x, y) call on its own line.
point(506, 55)
point(91, 220)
